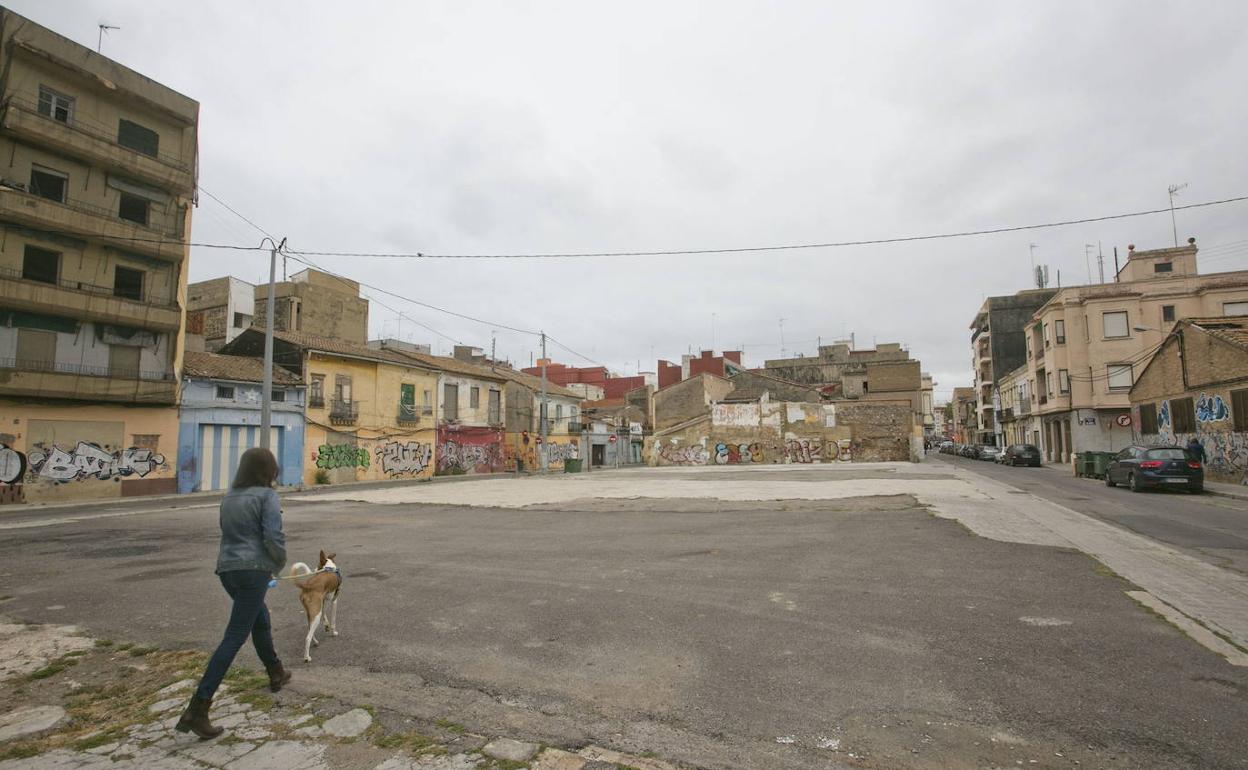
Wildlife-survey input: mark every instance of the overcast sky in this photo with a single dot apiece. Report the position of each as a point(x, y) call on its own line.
point(513, 127)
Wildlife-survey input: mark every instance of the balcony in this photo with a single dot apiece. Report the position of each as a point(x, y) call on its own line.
point(316, 402)
point(1025, 406)
point(408, 415)
point(1007, 414)
point(87, 302)
point(43, 379)
point(95, 144)
point(1043, 399)
point(159, 238)
point(343, 412)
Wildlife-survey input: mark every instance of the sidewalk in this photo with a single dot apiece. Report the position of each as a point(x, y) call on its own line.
point(81, 703)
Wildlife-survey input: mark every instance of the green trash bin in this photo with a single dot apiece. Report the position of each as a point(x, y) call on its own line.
point(571, 466)
point(1083, 463)
point(1100, 463)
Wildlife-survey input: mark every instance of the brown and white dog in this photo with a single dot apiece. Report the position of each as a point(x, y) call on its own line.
point(324, 583)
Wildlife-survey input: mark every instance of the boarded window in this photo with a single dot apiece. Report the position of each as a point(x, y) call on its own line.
point(407, 395)
point(123, 361)
point(1163, 267)
point(474, 398)
point(1148, 419)
point(47, 183)
point(1239, 409)
point(146, 441)
point(138, 138)
point(1115, 324)
point(450, 402)
point(41, 265)
point(128, 283)
point(316, 391)
point(1167, 313)
point(342, 388)
point(133, 208)
point(495, 415)
point(1119, 376)
point(36, 350)
point(426, 402)
point(1235, 308)
point(55, 105)
point(1063, 380)
point(1183, 415)
point(225, 392)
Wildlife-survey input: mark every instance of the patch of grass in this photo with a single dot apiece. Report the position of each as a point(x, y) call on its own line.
point(451, 727)
point(102, 738)
point(75, 654)
point(321, 477)
point(246, 679)
point(24, 750)
point(52, 669)
point(138, 652)
point(103, 642)
point(259, 700)
point(124, 646)
point(648, 754)
point(5, 597)
point(411, 742)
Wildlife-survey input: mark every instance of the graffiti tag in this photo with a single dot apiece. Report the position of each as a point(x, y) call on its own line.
point(330, 456)
point(557, 453)
point(734, 454)
point(687, 455)
point(1211, 409)
point(90, 461)
point(803, 451)
point(466, 457)
point(12, 465)
point(410, 457)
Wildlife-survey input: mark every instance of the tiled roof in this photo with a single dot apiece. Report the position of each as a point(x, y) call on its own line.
point(215, 366)
point(448, 364)
point(535, 383)
point(331, 345)
point(1232, 328)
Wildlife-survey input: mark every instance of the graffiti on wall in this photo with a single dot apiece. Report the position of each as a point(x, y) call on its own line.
point(12, 465)
point(685, 455)
point(805, 451)
point(331, 456)
point(88, 461)
point(734, 454)
point(557, 453)
point(1211, 409)
point(454, 456)
point(399, 457)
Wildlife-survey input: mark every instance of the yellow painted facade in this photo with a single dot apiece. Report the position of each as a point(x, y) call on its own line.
point(57, 452)
point(374, 444)
point(521, 447)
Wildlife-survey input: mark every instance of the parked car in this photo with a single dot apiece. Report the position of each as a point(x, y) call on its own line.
point(971, 451)
point(1142, 467)
point(945, 446)
point(1021, 454)
point(987, 452)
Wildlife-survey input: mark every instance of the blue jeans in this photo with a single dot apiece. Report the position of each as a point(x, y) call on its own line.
point(249, 616)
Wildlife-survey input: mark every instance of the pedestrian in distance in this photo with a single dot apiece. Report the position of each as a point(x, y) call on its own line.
point(1196, 450)
point(253, 549)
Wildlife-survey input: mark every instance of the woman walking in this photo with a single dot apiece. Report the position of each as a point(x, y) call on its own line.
point(253, 549)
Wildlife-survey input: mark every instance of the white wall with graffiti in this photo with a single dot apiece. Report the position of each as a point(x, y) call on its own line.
point(1212, 424)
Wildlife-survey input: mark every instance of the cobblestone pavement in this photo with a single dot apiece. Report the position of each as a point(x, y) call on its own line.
point(99, 706)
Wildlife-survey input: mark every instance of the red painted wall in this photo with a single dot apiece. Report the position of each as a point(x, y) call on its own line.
point(468, 449)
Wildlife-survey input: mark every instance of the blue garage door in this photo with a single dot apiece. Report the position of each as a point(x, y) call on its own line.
point(220, 446)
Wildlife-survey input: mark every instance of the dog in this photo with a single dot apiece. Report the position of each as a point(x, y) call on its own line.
point(324, 583)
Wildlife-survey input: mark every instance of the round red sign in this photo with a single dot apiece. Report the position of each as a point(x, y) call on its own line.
point(612, 438)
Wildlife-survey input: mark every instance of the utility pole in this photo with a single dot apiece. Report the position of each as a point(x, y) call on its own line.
point(541, 412)
point(1174, 190)
point(266, 394)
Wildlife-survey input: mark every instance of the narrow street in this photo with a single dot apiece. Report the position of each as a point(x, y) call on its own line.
point(1207, 526)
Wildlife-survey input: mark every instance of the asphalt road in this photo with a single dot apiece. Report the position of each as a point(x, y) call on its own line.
point(1209, 527)
point(747, 635)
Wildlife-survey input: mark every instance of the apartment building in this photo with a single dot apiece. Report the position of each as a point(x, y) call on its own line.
point(313, 302)
point(1087, 344)
point(1018, 422)
point(964, 408)
point(998, 346)
point(97, 181)
point(218, 310)
point(883, 373)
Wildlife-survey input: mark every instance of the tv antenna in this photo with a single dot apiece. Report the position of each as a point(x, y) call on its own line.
point(99, 43)
point(1174, 190)
point(1087, 259)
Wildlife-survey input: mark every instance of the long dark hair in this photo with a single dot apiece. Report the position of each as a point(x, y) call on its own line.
point(256, 468)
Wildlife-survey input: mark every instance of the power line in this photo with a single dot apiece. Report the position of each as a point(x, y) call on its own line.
point(235, 213)
point(786, 247)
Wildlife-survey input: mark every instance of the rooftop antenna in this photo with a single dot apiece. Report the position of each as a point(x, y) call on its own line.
point(1174, 190)
point(99, 43)
point(1100, 262)
point(782, 338)
point(1031, 248)
point(1087, 249)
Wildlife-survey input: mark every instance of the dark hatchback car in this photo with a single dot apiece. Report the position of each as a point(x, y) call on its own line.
point(1021, 454)
point(1142, 467)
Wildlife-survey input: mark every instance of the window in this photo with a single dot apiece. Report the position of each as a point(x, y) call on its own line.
point(495, 407)
point(1063, 380)
point(241, 320)
point(1235, 308)
point(426, 402)
point(1115, 324)
point(138, 138)
point(1183, 415)
point(1239, 410)
point(277, 396)
point(407, 394)
point(133, 208)
point(47, 183)
point(1119, 376)
point(450, 402)
point(316, 391)
point(474, 397)
point(128, 283)
point(1046, 335)
point(342, 388)
point(225, 392)
point(36, 350)
point(55, 105)
point(1167, 313)
point(41, 265)
point(1048, 384)
point(123, 361)
point(1163, 267)
point(1059, 331)
point(864, 386)
point(1148, 419)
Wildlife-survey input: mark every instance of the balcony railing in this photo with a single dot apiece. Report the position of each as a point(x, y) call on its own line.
point(1025, 406)
point(343, 412)
point(494, 417)
point(93, 129)
point(155, 300)
point(408, 414)
point(1043, 399)
point(38, 365)
point(316, 402)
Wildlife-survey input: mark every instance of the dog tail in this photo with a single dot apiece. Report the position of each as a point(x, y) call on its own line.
point(299, 568)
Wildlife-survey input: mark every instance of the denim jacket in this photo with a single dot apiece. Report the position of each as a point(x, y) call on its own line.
point(251, 531)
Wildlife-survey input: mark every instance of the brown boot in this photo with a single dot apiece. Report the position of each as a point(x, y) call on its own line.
point(195, 719)
point(278, 675)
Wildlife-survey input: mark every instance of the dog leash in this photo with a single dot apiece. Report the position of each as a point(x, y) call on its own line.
point(273, 580)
